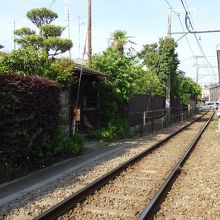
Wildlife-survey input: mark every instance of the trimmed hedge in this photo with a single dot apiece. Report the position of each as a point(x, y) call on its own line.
point(29, 116)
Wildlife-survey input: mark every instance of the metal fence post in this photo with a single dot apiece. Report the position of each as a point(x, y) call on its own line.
point(143, 123)
point(162, 123)
point(152, 120)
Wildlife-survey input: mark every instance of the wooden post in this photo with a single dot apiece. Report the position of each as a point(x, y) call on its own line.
point(152, 121)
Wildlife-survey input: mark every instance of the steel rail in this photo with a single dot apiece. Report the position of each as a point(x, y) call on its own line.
point(152, 207)
point(68, 203)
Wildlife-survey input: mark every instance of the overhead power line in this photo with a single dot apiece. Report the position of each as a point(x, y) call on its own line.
point(171, 7)
point(189, 12)
point(11, 22)
point(189, 25)
point(51, 4)
point(185, 36)
point(181, 24)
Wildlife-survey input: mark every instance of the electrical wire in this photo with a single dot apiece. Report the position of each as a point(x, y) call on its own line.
point(81, 70)
point(51, 4)
point(188, 25)
point(11, 22)
point(181, 26)
point(189, 12)
point(186, 36)
point(171, 7)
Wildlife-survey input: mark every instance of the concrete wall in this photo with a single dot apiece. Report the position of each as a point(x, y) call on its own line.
point(65, 109)
point(215, 93)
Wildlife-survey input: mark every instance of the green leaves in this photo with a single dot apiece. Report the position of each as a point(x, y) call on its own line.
point(161, 60)
point(25, 61)
point(188, 89)
point(62, 70)
point(49, 30)
point(41, 16)
point(22, 32)
point(48, 39)
point(57, 45)
point(119, 70)
point(148, 83)
point(33, 40)
point(118, 40)
point(37, 51)
point(29, 116)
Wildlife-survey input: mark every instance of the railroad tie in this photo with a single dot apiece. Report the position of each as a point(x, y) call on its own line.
point(121, 196)
point(100, 210)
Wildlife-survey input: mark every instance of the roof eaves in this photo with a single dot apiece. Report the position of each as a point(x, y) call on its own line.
point(89, 70)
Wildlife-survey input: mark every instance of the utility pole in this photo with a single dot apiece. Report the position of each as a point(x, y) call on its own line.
point(79, 30)
point(197, 74)
point(14, 37)
point(169, 22)
point(218, 59)
point(197, 67)
point(89, 31)
point(168, 77)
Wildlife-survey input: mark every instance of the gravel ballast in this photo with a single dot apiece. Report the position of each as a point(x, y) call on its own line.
point(196, 192)
point(34, 203)
point(39, 200)
point(141, 180)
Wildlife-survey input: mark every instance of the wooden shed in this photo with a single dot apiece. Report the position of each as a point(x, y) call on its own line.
point(80, 103)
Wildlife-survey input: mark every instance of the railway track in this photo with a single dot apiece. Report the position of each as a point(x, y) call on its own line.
point(124, 192)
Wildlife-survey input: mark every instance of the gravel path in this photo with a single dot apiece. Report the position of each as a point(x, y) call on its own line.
point(196, 193)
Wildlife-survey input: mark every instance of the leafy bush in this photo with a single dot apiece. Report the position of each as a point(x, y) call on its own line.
point(29, 115)
point(30, 62)
point(119, 69)
point(24, 62)
point(61, 144)
point(74, 145)
point(115, 130)
point(62, 70)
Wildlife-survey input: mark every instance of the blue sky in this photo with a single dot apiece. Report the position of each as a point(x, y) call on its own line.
point(144, 20)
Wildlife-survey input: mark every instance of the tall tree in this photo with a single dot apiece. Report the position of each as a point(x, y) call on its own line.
point(41, 16)
point(118, 67)
point(34, 57)
point(48, 38)
point(161, 59)
point(119, 39)
point(188, 89)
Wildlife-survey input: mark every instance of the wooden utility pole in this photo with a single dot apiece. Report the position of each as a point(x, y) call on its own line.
point(89, 31)
point(218, 60)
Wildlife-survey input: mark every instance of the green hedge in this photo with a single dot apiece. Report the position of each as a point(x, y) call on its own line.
point(29, 116)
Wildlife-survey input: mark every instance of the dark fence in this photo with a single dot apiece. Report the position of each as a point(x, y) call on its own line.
point(153, 106)
point(149, 113)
